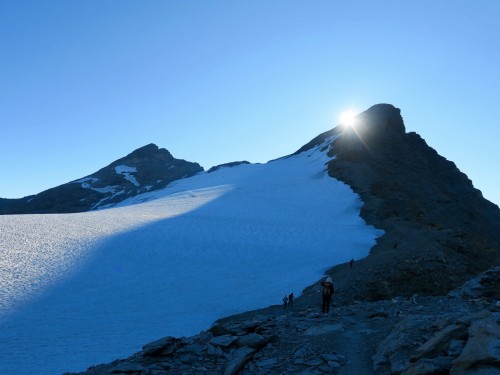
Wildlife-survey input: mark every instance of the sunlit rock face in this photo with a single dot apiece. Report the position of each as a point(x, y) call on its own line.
point(146, 169)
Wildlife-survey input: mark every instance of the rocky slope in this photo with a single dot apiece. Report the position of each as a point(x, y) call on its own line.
point(456, 334)
point(439, 230)
point(418, 304)
point(145, 169)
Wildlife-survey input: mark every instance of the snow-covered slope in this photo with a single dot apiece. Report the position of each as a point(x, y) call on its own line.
point(80, 289)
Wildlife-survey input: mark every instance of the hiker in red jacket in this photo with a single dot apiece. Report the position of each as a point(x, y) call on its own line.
point(327, 294)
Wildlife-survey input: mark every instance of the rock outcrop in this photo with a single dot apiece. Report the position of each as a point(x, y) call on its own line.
point(227, 165)
point(146, 169)
point(458, 335)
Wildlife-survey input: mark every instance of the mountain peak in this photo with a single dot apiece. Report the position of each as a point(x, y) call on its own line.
point(149, 151)
point(145, 169)
point(371, 130)
point(151, 147)
point(383, 108)
point(381, 118)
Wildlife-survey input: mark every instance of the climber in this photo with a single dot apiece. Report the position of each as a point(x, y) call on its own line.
point(327, 294)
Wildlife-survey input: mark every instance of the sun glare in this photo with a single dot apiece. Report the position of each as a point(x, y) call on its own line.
point(347, 117)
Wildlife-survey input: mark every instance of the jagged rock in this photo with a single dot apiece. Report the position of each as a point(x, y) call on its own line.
point(425, 366)
point(223, 341)
point(334, 364)
point(333, 358)
point(455, 347)
point(194, 348)
point(220, 330)
point(486, 285)
point(163, 346)
point(265, 330)
point(241, 357)
point(481, 354)
point(214, 351)
point(392, 352)
point(187, 358)
point(227, 165)
point(496, 306)
point(314, 362)
point(252, 340)
point(251, 326)
point(439, 341)
point(267, 363)
point(301, 352)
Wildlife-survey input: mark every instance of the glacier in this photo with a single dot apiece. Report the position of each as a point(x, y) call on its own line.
point(87, 288)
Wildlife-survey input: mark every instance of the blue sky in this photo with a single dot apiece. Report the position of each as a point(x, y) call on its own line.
point(83, 83)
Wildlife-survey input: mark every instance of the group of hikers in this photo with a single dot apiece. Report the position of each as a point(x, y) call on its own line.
point(288, 300)
point(326, 296)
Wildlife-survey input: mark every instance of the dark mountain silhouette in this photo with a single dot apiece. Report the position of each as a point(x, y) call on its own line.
point(439, 230)
point(145, 169)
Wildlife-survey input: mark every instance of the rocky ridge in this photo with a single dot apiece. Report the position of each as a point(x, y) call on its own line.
point(439, 230)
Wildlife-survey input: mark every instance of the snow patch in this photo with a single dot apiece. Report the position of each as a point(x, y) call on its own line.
point(127, 173)
point(89, 183)
point(107, 189)
point(86, 182)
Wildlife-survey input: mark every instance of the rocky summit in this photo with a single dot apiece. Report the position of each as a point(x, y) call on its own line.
point(145, 169)
point(424, 302)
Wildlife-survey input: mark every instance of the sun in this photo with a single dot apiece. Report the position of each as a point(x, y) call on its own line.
point(348, 117)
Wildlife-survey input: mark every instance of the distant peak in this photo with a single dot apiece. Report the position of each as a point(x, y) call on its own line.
point(149, 150)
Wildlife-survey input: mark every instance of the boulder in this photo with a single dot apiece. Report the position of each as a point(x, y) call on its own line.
point(241, 356)
point(252, 340)
point(223, 341)
point(162, 346)
point(220, 330)
point(333, 357)
point(425, 366)
point(440, 341)
point(481, 354)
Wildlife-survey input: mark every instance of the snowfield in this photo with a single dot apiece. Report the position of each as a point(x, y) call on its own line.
point(83, 289)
